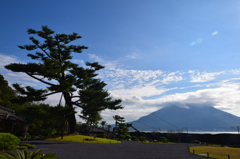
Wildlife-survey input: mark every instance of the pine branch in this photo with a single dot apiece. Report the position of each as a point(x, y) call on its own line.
point(51, 93)
point(75, 103)
point(40, 79)
point(75, 97)
point(59, 50)
point(46, 53)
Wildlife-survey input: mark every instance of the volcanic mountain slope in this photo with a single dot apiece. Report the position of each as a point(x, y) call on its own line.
point(194, 118)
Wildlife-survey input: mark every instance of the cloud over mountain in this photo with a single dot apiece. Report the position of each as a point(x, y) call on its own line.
point(145, 91)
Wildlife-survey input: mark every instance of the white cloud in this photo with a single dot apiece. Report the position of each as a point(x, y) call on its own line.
point(140, 89)
point(131, 76)
point(172, 77)
point(143, 83)
point(129, 114)
point(145, 91)
point(55, 99)
point(21, 78)
point(197, 76)
point(236, 71)
point(133, 55)
point(139, 80)
point(13, 77)
point(133, 85)
point(225, 97)
point(6, 59)
point(107, 64)
point(80, 62)
point(214, 33)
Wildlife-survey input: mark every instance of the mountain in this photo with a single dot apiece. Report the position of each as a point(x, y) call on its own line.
point(193, 118)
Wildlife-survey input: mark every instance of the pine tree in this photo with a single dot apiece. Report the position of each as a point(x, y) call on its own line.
point(54, 68)
point(118, 119)
point(7, 94)
point(93, 99)
point(121, 130)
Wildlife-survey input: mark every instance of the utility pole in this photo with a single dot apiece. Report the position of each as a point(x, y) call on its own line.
point(237, 128)
point(186, 129)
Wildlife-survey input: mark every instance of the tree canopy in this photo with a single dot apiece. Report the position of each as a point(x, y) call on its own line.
point(6, 93)
point(121, 130)
point(54, 67)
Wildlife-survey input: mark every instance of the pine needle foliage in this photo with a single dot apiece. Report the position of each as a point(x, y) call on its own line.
point(54, 67)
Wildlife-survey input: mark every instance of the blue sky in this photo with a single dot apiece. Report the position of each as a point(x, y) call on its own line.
point(156, 52)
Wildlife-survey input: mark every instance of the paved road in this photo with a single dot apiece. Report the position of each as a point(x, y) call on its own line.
point(125, 150)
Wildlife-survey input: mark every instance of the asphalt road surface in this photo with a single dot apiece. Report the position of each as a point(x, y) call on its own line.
point(125, 150)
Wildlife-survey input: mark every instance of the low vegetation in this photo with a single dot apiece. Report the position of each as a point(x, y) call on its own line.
point(163, 140)
point(28, 155)
point(84, 139)
point(22, 147)
point(216, 152)
point(10, 148)
point(29, 146)
point(8, 142)
point(142, 139)
point(134, 138)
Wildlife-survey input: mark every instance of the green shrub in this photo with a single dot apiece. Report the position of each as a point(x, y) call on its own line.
point(122, 137)
point(22, 147)
point(28, 146)
point(142, 139)
point(134, 138)
point(163, 139)
point(8, 141)
point(127, 137)
point(27, 136)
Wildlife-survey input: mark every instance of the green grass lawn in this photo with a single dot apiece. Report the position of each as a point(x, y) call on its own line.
point(82, 139)
point(217, 152)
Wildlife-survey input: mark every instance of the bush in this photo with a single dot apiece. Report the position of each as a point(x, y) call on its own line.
point(121, 137)
point(8, 141)
point(29, 146)
point(142, 139)
point(127, 137)
point(134, 138)
point(163, 139)
point(22, 147)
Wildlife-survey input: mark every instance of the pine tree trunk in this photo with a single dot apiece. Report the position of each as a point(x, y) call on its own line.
point(63, 126)
point(71, 118)
point(72, 123)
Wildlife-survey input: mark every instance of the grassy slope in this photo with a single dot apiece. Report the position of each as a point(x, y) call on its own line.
point(217, 152)
point(81, 138)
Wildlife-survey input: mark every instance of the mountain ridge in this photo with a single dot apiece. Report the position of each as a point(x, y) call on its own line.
point(193, 118)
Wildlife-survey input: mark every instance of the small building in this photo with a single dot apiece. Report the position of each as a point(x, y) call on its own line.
point(96, 131)
point(7, 117)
